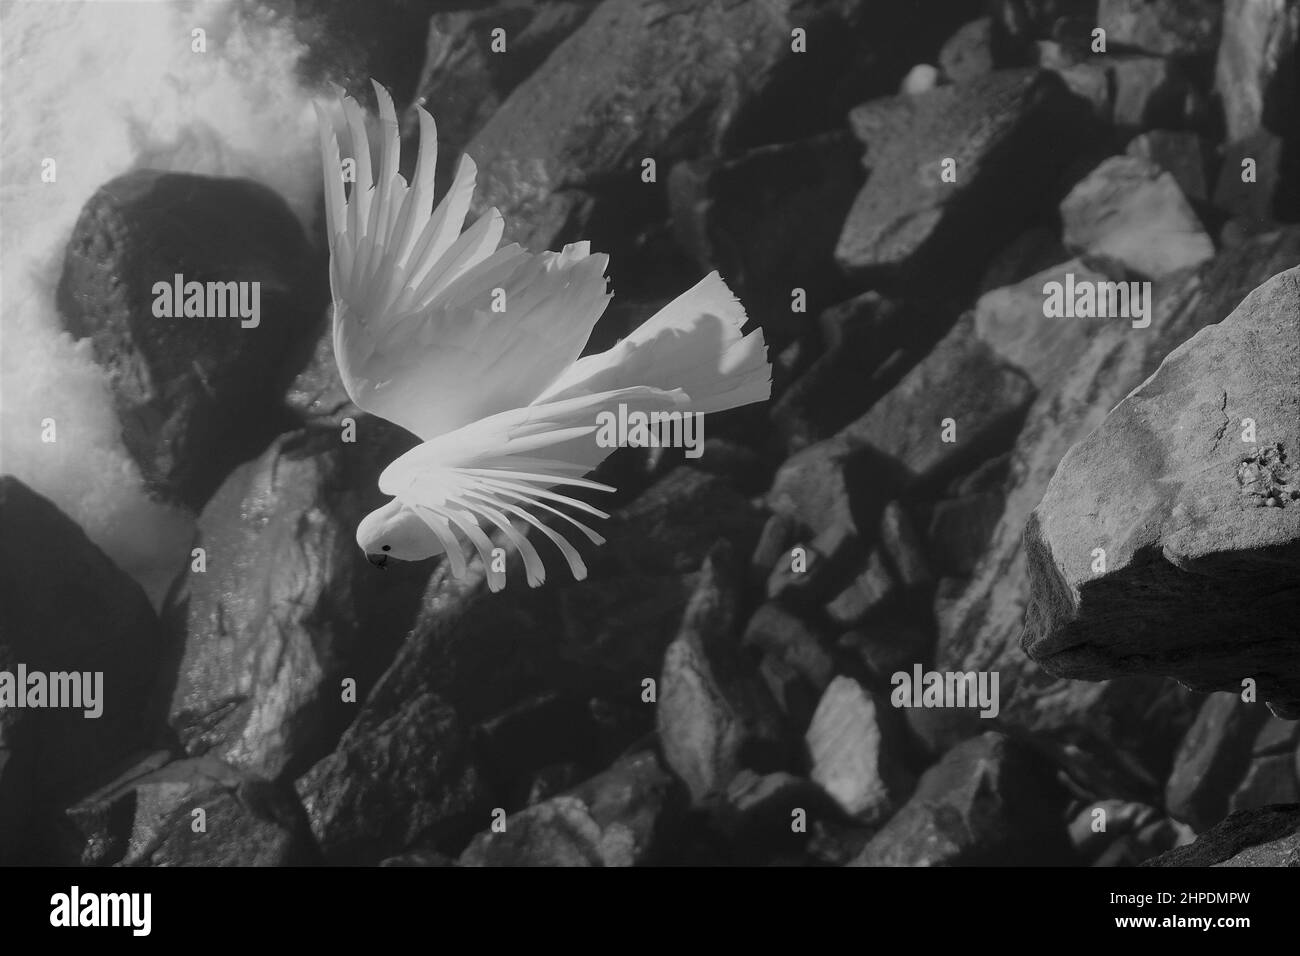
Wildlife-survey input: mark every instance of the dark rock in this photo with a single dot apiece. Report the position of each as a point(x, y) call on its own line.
point(1116, 818)
point(1182, 154)
point(1149, 92)
point(1255, 73)
point(66, 608)
point(961, 380)
point(194, 813)
point(1251, 196)
point(810, 572)
point(968, 53)
point(287, 608)
point(1167, 27)
point(769, 221)
point(888, 644)
point(395, 781)
point(1013, 320)
point(614, 819)
point(1199, 576)
point(715, 714)
point(959, 530)
point(855, 749)
point(1009, 132)
point(759, 814)
point(779, 533)
point(191, 392)
point(636, 82)
point(1212, 760)
point(988, 802)
point(350, 44)
point(1034, 250)
point(1269, 836)
point(1130, 210)
point(902, 546)
point(874, 588)
point(419, 858)
point(464, 81)
point(816, 487)
point(777, 633)
point(841, 383)
point(1268, 781)
point(980, 629)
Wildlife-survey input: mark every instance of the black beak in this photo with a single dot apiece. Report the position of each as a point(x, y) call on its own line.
point(378, 560)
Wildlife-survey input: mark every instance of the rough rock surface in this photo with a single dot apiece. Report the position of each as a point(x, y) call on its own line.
point(1202, 550)
point(1008, 133)
point(66, 608)
point(1130, 210)
point(987, 802)
point(191, 392)
point(1269, 836)
point(271, 625)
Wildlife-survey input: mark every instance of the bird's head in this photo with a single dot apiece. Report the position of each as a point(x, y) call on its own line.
point(396, 532)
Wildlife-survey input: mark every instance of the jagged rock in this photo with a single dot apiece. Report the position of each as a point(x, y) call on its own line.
point(781, 636)
point(1182, 154)
point(810, 572)
point(1013, 322)
point(191, 392)
point(1269, 836)
point(1251, 195)
point(1255, 73)
point(961, 379)
point(959, 530)
point(349, 44)
point(1167, 27)
point(395, 781)
point(1212, 759)
point(1268, 781)
point(1130, 210)
point(902, 546)
point(1105, 821)
point(816, 487)
point(285, 607)
point(613, 819)
point(874, 588)
point(65, 608)
point(715, 714)
point(1149, 92)
point(888, 644)
point(768, 221)
point(861, 335)
point(759, 813)
point(194, 813)
point(779, 533)
point(1009, 133)
point(980, 628)
point(1202, 551)
point(635, 82)
point(989, 802)
point(464, 80)
point(855, 751)
point(968, 53)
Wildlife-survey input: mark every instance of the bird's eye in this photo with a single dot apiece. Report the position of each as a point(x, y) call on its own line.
point(386, 547)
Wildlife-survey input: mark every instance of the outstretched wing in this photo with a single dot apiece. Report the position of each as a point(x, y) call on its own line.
point(435, 328)
point(502, 468)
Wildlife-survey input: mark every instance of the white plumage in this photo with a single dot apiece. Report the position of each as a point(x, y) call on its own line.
point(475, 349)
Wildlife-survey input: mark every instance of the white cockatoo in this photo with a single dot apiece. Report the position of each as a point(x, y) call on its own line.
point(475, 349)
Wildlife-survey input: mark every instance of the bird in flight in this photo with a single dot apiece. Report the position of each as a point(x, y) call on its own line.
point(476, 348)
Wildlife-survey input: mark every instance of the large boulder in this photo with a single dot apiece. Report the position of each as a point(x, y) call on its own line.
point(1007, 135)
point(282, 608)
point(191, 390)
point(66, 609)
point(1169, 540)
